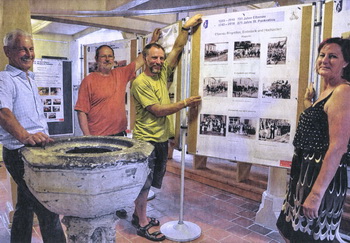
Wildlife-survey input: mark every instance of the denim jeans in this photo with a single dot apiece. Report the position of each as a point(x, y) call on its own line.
point(49, 222)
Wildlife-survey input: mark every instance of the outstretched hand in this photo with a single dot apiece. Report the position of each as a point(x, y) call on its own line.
point(193, 21)
point(193, 101)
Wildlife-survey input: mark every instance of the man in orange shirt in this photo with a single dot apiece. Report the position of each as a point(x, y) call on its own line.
point(101, 97)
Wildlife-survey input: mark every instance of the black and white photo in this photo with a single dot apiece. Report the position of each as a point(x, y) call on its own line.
point(216, 52)
point(213, 125)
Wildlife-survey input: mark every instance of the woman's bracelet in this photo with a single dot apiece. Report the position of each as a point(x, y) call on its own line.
point(185, 103)
point(185, 29)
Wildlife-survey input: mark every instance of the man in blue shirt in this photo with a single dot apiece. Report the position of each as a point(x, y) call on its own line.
point(23, 123)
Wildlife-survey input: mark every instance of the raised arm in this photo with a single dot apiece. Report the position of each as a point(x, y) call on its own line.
point(139, 61)
point(181, 39)
point(10, 124)
point(309, 95)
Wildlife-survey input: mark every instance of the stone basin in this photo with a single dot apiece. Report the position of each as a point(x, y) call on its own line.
point(88, 176)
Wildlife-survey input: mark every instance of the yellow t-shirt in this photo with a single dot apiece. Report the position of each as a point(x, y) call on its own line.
point(149, 91)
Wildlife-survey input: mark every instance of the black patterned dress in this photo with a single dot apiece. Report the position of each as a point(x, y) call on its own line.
point(311, 142)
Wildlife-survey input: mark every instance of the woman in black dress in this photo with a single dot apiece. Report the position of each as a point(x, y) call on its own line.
point(314, 202)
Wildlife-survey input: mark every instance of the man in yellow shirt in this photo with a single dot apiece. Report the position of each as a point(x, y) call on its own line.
point(153, 123)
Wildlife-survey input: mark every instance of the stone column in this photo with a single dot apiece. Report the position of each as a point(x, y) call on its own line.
point(272, 198)
point(14, 14)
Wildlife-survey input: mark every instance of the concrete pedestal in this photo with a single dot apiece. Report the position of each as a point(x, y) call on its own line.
point(272, 198)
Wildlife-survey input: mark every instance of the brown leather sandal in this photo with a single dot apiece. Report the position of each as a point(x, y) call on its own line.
point(143, 231)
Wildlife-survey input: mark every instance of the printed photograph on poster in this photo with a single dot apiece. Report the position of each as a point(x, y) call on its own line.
point(47, 109)
point(47, 102)
point(246, 49)
point(277, 51)
point(215, 86)
point(51, 116)
point(216, 52)
point(214, 125)
point(276, 89)
point(245, 87)
point(55, 91)
point(44, 91)
point(243, 127)
point(57, 101)
point(274, 130)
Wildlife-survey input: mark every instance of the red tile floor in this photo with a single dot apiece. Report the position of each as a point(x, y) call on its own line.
point(222, 216)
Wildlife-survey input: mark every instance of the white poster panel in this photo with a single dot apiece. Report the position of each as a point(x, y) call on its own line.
point(122, 53)
point(249, 72)
point(341, 20)
point(49, 79)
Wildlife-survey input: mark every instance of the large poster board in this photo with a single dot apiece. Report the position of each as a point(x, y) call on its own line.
point(122, 52)
point(54, 81)
point(249, 73)
point(49, 79)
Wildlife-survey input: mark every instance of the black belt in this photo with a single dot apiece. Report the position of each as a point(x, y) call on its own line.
point(120, 134)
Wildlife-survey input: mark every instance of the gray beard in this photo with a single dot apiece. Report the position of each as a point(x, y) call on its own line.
point(155, 72)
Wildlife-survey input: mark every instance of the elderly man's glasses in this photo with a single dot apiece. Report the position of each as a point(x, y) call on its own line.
point(105, 56)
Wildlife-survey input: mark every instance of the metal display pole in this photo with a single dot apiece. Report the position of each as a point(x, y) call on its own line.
point(316, 33)
point(181, 230)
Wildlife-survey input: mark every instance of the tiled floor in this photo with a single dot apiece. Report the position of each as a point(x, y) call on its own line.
point(222, 216)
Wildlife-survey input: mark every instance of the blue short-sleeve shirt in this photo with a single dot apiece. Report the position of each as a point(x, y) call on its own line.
point(19, 94)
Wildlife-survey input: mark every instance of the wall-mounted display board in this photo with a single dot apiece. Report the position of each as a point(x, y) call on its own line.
point(124, 51)
point(341, 20)
point(249, 68)
point(54, 81)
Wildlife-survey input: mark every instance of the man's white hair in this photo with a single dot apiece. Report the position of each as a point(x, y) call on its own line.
point(11, 36)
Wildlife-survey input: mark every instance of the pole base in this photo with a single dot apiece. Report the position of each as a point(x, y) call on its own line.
point(181, 232)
